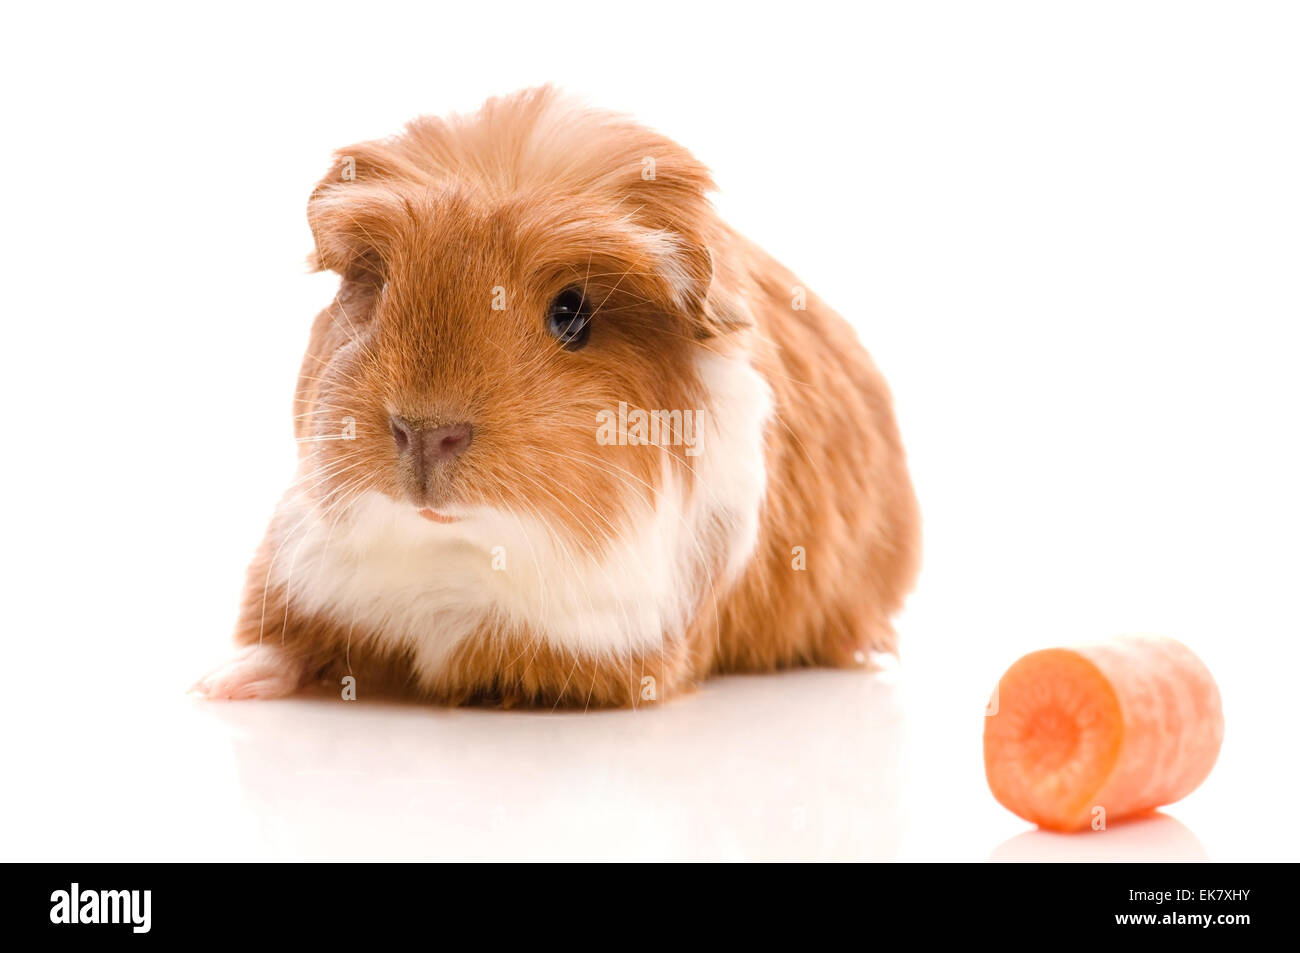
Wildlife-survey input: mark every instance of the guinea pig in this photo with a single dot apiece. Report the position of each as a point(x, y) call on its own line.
point(565, 438)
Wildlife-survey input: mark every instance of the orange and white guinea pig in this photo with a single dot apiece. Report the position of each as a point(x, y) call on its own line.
point(565, 438)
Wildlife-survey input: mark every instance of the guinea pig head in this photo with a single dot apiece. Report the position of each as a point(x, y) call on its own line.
point(505, 280)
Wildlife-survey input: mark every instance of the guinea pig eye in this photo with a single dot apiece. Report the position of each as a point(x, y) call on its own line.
point(569, 320)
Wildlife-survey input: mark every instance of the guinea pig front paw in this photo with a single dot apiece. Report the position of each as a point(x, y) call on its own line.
point(256, 671)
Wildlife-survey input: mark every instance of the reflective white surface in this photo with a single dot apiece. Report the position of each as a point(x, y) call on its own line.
point(725, 774)
point(816, 765)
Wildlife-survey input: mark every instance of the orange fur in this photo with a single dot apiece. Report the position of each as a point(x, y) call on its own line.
point(520, 201)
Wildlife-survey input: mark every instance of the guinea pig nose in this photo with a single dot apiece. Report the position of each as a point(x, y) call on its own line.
point(443, 443)
point(403, 433)
point(429, 446)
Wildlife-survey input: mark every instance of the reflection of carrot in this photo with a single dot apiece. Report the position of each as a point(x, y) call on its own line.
point(1124, 726)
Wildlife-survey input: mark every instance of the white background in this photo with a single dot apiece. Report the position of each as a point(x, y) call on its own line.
point(1068, 234)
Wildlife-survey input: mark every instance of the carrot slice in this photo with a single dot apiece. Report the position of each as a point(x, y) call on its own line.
point(1123, 726)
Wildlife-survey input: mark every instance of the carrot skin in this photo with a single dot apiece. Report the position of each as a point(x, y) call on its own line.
point(1103, 731)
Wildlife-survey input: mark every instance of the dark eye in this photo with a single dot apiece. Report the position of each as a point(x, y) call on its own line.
point(569, 320)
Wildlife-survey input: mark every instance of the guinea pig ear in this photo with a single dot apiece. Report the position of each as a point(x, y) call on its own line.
point(704, 291)
point(670, 193)
point(355, 221)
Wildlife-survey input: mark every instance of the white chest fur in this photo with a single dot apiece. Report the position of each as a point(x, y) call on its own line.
point(382, 570)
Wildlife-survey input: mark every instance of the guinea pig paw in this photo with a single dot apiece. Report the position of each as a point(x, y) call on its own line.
point(256, 671)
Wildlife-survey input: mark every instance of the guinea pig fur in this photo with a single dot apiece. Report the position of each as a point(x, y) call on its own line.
point(565, 438)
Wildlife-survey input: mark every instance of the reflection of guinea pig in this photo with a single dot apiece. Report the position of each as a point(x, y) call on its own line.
point(565, 438)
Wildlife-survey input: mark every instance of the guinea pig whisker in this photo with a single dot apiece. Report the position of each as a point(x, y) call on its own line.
point(559, 696)
point(324, 468)
point(611, 291)
point(266, 585)
point(320, 380)
point(625, 272)
point(322, 409)
point(351, 329)
point(321, 418)
point(288, 585)
point(326, 364)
